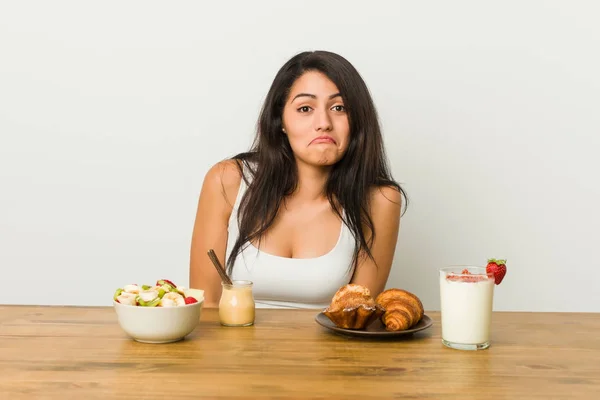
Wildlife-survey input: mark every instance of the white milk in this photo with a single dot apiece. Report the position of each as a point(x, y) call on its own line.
point(466, 309)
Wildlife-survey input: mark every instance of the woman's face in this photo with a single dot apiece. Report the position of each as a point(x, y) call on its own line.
point(315, 120)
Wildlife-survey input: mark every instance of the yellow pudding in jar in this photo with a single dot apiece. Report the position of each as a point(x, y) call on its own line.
point(236, 306)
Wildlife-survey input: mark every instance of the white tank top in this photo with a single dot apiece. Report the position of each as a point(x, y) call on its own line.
point(282, 282)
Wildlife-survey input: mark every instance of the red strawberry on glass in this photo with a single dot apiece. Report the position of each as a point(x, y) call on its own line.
point(497, 268)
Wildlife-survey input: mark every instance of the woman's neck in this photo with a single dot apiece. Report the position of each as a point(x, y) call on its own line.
point(311, 182)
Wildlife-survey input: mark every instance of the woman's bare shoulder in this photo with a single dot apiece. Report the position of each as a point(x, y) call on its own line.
point(224, 177)
point(385, 197)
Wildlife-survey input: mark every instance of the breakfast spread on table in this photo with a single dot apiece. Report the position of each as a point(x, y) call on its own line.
point(163, 294)
point(353, 307)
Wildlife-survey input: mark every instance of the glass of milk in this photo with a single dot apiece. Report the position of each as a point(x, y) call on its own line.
point(466, 296)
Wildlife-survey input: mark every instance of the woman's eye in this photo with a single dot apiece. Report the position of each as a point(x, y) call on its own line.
point(339, 108)
point(304, 109)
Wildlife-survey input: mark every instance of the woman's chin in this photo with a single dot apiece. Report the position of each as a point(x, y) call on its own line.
point(323, 159)
point(323, 162)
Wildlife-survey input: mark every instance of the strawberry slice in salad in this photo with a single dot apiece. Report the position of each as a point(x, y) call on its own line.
point(190, 300)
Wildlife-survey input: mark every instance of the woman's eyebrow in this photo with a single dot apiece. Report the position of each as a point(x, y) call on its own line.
point(312, 96)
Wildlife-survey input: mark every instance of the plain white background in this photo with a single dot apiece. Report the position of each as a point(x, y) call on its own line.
point(112, 112)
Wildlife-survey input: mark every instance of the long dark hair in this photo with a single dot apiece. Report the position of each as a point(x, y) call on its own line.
point(272, 166)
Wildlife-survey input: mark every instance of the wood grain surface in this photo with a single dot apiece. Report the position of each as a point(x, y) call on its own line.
point(81, 353)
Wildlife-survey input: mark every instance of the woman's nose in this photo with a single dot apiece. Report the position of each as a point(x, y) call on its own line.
point(322, 121)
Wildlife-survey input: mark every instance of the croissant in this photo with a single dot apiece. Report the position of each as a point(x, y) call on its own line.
point(402, 309)
point(353, 307)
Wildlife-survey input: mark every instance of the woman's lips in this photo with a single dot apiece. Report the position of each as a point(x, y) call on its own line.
point(323, 139)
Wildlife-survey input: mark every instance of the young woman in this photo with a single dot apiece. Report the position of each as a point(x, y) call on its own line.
point(312, 206)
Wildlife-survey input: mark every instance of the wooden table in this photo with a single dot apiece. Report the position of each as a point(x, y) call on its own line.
point(81, 353)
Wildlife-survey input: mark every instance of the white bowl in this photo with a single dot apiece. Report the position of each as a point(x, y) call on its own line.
point(158, 324)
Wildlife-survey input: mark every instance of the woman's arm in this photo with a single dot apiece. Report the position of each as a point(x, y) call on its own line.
point(217, 197)
point(385, 212)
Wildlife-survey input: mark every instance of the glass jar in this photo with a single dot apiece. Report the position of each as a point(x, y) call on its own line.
point(236, 306)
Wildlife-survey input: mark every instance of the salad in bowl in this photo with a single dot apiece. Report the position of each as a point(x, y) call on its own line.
point(162, 294)
point(159, 313)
